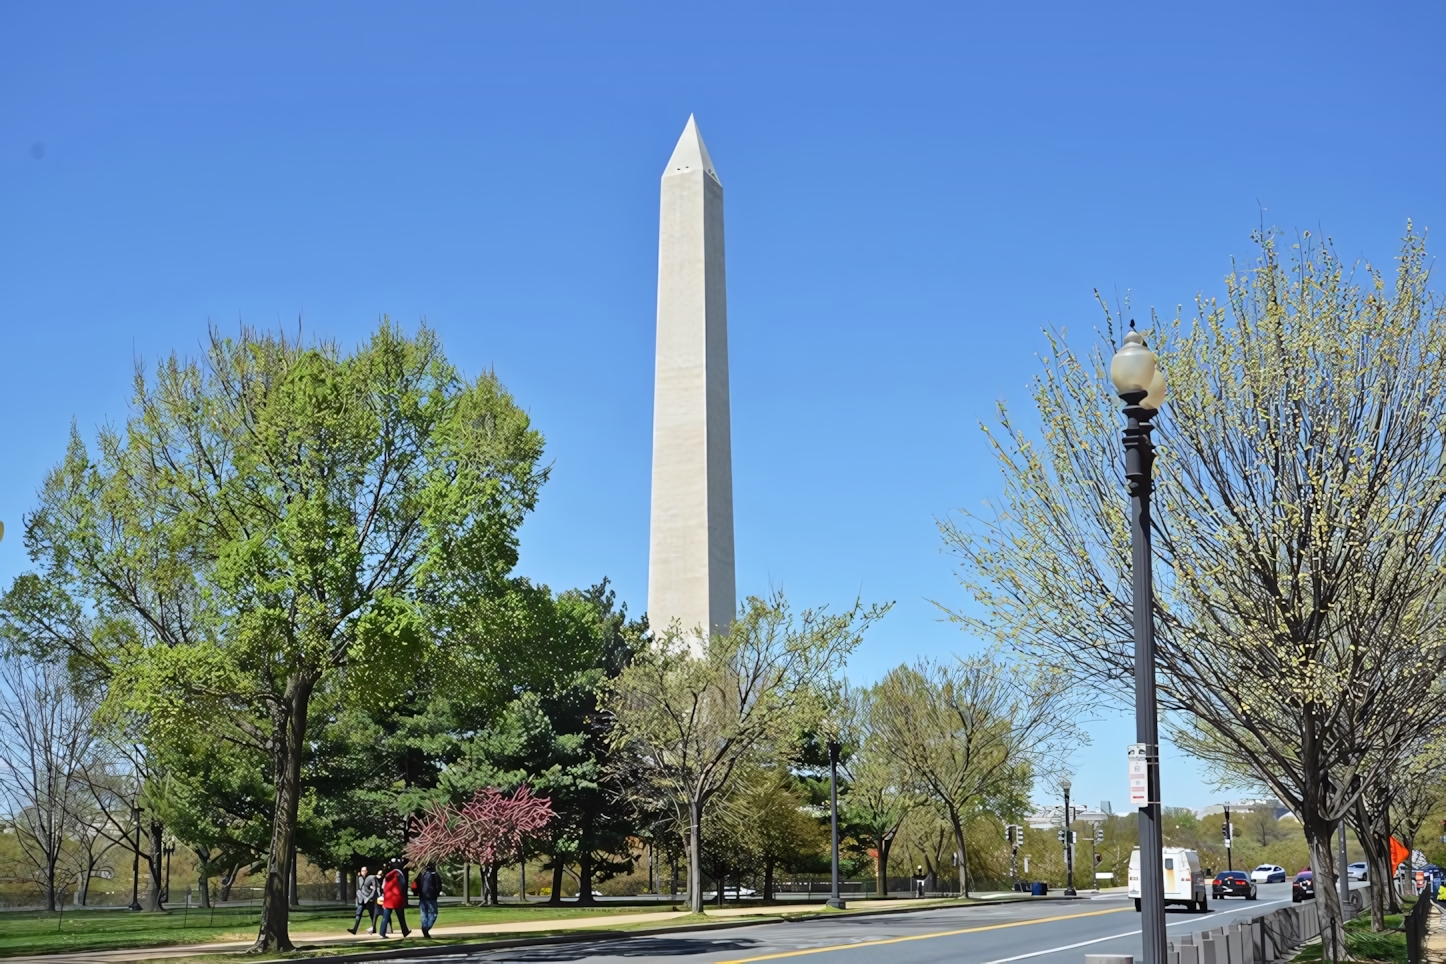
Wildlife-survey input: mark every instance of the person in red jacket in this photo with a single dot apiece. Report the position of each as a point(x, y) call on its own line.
point(394, 897)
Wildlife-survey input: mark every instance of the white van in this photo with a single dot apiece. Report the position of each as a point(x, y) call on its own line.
point(1184, 881)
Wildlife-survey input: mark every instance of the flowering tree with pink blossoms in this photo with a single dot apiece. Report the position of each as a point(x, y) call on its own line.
point(489, 830)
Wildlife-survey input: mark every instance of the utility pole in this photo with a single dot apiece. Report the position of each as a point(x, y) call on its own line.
point(1096, 838)
point(1141, 385)
point(136, 862)
point(1229, 833)
point(1345, 878)
point(835, 900)
point(1069, 890)
point(1013, 835)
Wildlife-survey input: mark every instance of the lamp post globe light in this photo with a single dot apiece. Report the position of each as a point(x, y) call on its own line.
point(1141, 385)
point(1069, 890)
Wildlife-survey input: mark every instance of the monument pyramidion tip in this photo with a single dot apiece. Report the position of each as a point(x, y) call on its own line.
point(691, 154)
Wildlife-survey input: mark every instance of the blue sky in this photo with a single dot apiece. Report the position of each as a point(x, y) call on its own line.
point(912, 192)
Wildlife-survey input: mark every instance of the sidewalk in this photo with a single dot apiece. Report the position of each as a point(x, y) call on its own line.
point(1434, 947)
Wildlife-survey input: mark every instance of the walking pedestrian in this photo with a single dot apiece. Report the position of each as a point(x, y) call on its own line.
point(394, 897)
point(366, 901)
point(428, 887)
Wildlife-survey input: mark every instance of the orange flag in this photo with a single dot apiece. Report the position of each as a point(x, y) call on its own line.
point(1398, 854)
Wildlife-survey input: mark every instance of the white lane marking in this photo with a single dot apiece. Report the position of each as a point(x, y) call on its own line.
point(1113, 937)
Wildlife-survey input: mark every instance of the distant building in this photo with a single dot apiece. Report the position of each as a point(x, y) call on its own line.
point(1052, 817)
point(1269, 805)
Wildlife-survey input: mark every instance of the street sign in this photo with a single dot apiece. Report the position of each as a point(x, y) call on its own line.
point(1139, 765)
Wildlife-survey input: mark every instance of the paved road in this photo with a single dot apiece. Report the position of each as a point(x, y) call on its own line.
point(1054, 932)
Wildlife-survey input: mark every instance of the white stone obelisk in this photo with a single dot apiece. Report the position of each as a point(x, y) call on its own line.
point(690, 561)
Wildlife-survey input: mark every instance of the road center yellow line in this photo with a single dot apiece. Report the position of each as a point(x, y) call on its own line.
point(923, 937)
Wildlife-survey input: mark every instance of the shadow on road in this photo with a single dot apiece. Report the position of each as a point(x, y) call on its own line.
point(635, 947)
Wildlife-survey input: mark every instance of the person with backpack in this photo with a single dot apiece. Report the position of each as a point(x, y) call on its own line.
point(366, 901)
point(428, 887)
point(394, 897)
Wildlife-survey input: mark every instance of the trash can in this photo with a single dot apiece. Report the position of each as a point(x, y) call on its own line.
point(1038, 889)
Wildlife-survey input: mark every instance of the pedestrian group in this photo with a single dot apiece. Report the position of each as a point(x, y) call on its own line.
point(389, 890)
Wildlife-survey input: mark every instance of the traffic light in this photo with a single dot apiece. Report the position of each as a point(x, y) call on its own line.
point(1099, 834)
point(1060, 834)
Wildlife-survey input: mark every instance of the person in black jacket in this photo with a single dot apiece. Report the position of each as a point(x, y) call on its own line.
point(428, 887)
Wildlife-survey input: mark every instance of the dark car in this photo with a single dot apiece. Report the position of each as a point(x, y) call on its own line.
point(1232, 883)
point(1303, 888)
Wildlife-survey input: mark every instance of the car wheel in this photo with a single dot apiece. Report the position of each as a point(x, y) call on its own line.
point(1251, 894)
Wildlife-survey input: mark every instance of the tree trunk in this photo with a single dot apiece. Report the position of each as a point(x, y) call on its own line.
point(963, 854)
point(203, 877)
point(1386, 882)
point(556, 896)
point(881, 867)
point(228, 880)
point(155, 865)
point(695, 856)
point(50, 861)
point(289, 730)
point(493, 891)
point(1327, 896)
point(584, 868)
point(293, 891)
point(768, 880)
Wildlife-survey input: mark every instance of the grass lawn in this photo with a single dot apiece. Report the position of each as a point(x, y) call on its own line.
point(1365, 944)
point(33, 932)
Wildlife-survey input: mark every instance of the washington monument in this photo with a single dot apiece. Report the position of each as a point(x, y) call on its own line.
point(690, 560)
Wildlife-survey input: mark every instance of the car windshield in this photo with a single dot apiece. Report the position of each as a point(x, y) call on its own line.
point(1265, 867)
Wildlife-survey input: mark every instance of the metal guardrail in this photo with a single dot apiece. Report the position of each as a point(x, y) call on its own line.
point(1415, 927)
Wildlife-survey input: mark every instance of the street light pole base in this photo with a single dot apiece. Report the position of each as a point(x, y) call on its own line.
point(1070, 892)
point(837, 903)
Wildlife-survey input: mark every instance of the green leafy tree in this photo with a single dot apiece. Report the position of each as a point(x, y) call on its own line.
point(965, 732)
point(275, 518)
point(774, 825)
point(692, 721)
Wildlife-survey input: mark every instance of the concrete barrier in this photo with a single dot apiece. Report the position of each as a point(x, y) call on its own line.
point(1233, 946)
point(1260, 940)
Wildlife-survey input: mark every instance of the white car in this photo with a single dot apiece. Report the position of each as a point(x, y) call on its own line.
point(1358, 871)
point(1268, 874)
point(730, 893)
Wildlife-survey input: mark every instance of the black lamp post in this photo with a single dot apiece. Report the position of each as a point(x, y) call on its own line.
point(136, 862)
point(169, 849)
point(1229, 840)
point(835, 900)
point(1141, 385)
point(1069, 890)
